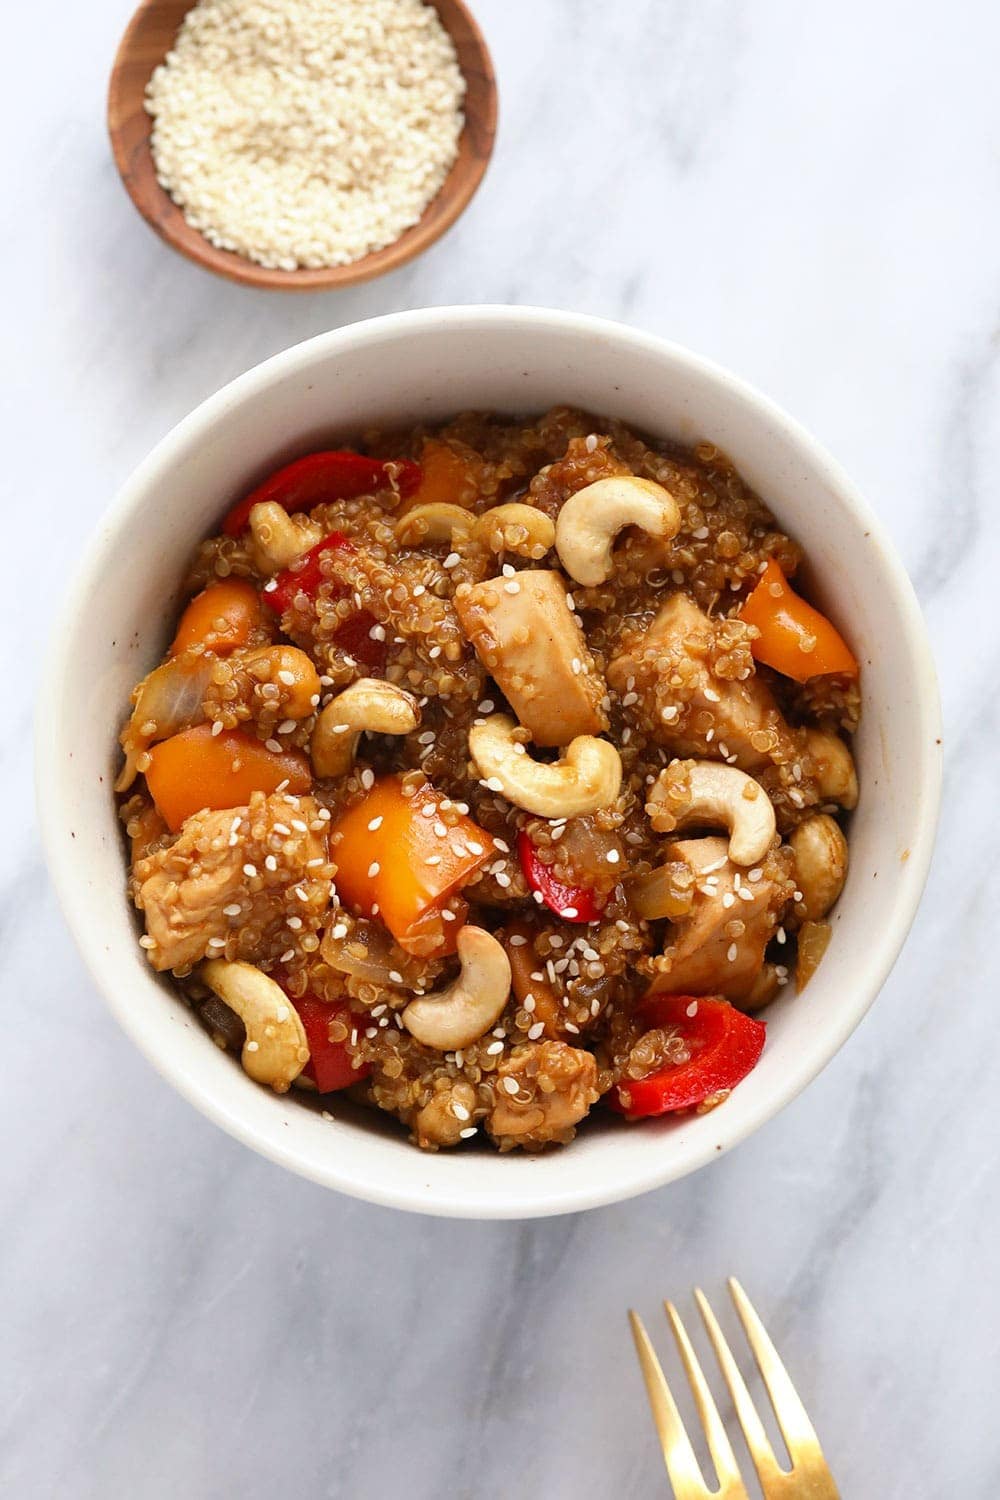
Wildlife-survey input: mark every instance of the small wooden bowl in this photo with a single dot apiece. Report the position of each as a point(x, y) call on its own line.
point(150, 35)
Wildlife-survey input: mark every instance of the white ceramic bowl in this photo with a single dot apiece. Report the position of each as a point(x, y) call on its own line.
point(428, 365)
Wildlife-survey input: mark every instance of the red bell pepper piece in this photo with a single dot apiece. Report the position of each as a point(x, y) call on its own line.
point(330, 1064)
point(724, 1045)
point(333, 475)
point(574, 903)
point(305, 575)
point(354, 636)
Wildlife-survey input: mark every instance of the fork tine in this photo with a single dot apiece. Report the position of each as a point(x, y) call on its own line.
point(768, 1469)
point(719, 1445)
point(682, 1466)
point(796, 1428)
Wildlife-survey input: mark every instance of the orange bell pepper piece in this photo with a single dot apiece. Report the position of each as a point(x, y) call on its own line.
point(395, 863)
point(794, 639)
point(196, 769)
point(447, 477)
point(221, 618)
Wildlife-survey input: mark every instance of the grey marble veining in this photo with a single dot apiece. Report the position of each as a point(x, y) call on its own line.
point(811, 195)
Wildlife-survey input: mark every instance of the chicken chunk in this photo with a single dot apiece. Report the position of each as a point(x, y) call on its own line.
point(446, 1114)
point(527, 638)
point(682, 668)
point(555, 1086)
point(718, 948)
point(245, 883)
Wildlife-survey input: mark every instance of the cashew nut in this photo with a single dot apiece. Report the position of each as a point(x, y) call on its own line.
point(461, 1013)
point(432, 523)
point(711, 794)
point(591, 519)
point(516, 528)
point(587, 777)
point(276, 1049)
point(820, 850)
point(835, 774)
point(277, 541)
point(293, 671)
point(368, 703)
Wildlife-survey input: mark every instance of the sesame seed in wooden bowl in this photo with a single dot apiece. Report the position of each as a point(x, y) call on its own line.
point(148, 39)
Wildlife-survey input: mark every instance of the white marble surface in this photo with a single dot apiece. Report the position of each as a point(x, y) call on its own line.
point(809, 194)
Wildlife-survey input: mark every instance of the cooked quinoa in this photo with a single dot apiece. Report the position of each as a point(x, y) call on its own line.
point(485, 844)
point(306, 133)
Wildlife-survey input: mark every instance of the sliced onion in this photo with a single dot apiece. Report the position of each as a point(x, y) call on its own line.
point(170, 699)
point(367, 952)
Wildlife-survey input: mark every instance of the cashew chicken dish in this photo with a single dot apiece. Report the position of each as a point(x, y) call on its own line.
point(494, 774)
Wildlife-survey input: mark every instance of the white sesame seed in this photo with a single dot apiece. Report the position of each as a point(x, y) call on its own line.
point(270, 863)
point(459, 1110)
point(339, 930)
point(569, 912)
point(234, 909)
point(452, 560)
point(731, 953)
point(375, 824)
point(373, 869)
point(510, 1084)
point(252, 1046)
point(250, 871)
point(468, 1132)
point(494, 1049)
point(513, 587)
point(395, 976)
point(536, 1030)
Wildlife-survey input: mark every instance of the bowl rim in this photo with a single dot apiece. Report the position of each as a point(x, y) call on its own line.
point(62, 855)
point(477, 138)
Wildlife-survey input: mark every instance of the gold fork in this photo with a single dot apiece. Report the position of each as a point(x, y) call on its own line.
point(809, 1477)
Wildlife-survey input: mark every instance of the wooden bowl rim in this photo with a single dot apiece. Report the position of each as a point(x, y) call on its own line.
point(167, 219)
